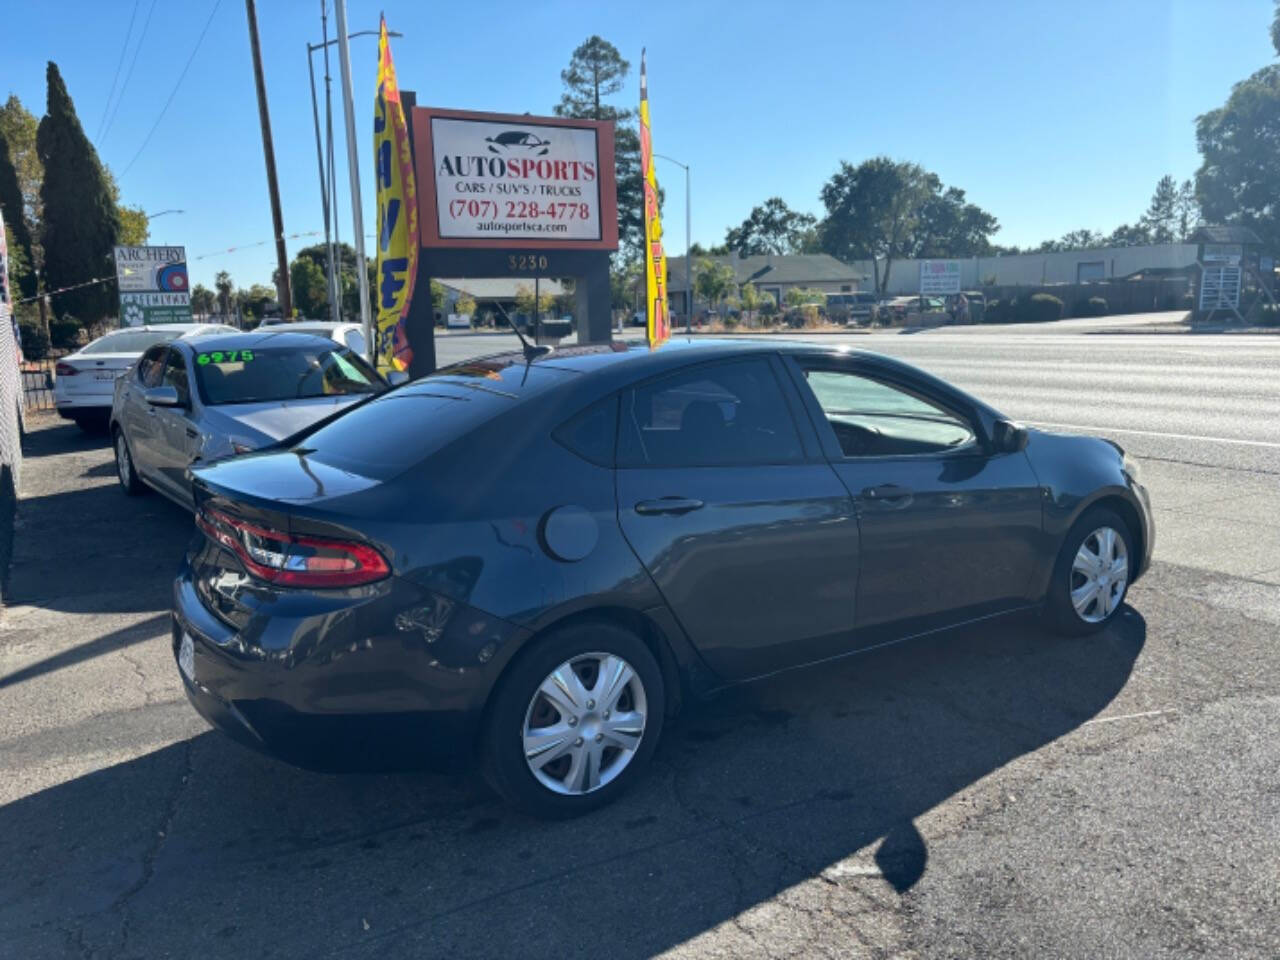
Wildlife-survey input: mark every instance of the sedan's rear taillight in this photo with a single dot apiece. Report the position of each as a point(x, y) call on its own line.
point(294, 561)
point(64, 369)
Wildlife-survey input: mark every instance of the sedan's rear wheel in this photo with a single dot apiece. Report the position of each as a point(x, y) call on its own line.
point(1092, 573)
point(575, 720)
point(125, 470)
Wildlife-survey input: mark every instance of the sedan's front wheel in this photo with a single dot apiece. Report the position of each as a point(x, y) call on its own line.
point(575, 720)
point(1091, 576)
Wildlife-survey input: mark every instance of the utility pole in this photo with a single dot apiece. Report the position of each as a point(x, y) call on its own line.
point(353, 168)
point(269, 153)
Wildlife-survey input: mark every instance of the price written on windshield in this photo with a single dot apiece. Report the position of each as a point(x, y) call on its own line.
point(518, 209)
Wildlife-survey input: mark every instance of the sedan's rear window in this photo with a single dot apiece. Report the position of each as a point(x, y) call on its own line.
point(282, 373)
point(129, 341)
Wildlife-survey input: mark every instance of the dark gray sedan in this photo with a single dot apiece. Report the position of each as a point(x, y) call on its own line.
point(537, 561)
point(202, 399)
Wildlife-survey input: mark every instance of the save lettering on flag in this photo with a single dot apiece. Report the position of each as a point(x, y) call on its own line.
point(655, 260)
point(397, 195)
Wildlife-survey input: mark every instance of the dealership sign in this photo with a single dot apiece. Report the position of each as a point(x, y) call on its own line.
point(511, 181)
point(153, 284)
point(939, 276)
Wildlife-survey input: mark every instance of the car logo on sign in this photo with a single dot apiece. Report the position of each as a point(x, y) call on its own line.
point(510, 140)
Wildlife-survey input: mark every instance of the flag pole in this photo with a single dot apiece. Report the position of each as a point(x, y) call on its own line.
point(353, 168)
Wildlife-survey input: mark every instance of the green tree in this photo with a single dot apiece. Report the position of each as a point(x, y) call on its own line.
point(873, 211)
point(714, 281)
point(949, 226)
point(310, 293)
point(133, 226)
point(1187, 208)
point(465, 305)
point(18, 128)
point(1239, 176)
point(80, 221)
point(715, 250)
point(623, 278)
point(772, 227)
point(18, 233)
point(800, 296)
point(524, 301)
point(203, 301)
point(1125, 235)
point(223, 285)
point(597, 71)
point(749, 298)
point(1161, 218)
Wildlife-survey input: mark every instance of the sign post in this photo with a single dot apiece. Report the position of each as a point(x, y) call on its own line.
point(512, 195)
point(153, 285)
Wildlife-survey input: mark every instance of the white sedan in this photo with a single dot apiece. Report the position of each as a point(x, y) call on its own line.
point(350, 335)
point(85, 380)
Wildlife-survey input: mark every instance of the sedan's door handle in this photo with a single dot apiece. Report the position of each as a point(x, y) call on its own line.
point(675, 505)
point(191, 434)
point(887, 493)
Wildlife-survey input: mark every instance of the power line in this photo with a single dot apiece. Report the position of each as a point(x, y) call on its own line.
point(133, 62)
point(124, 48)
point(174, 91)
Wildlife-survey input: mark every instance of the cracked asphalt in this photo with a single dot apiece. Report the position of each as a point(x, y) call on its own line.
point(991, 792)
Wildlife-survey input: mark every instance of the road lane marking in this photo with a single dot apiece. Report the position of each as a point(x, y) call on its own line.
point(1128, 716)
point(1270, 444)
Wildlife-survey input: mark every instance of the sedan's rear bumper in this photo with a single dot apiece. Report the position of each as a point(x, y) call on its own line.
point(359, 684)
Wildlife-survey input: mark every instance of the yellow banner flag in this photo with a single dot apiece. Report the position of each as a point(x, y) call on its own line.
point(397, 264)
point(655, 260)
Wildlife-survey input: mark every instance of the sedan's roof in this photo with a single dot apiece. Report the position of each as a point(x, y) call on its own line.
point(258, 340)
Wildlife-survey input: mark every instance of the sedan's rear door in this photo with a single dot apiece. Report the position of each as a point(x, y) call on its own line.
point(730, 506)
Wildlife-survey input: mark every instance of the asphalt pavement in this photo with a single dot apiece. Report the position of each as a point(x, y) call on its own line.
point(990, 792)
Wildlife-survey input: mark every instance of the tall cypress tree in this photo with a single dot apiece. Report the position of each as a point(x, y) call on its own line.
point(81, 223)
point(15, 219)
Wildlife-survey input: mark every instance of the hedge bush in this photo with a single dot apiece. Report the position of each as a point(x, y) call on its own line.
point(1090, 307)
point(64, 332)
point(1037, 308)
point(998, 311)
point(35, 342)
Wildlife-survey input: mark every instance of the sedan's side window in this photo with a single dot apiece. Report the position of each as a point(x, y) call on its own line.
point(721, 414)
point(871, 418)
point(175, 375)
point(151, 366)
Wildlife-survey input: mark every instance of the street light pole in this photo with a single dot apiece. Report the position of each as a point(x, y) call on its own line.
point(324, 158)
point(353, 168)
point(688, 261)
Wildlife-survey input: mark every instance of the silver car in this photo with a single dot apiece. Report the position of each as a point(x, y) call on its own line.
point(207, 398)
point(83, 388)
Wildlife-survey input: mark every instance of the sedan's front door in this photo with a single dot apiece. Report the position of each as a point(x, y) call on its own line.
point(950, 528)
point(746, 530)
point(176, 434)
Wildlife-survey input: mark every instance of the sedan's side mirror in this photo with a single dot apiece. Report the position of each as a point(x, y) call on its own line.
point(1009, 437)
point(163, 397)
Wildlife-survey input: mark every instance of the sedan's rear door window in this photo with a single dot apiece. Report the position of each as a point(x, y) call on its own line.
point(720, 414)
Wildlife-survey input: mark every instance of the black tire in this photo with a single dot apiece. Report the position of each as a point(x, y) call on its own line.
point(126, 473)
point(503, 751)
point(1060, 613)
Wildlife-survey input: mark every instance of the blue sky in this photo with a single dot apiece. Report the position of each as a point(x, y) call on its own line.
point(1052, 116)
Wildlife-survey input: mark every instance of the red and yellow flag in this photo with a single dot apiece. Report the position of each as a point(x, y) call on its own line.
point(655, 260)
point(397, 263)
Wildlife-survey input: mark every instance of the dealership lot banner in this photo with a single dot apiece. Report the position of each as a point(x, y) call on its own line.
point(939, 276)
point(515, 182)
point(153, 285)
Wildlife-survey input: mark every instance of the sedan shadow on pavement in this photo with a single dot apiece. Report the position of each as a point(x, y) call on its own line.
point(202, 848)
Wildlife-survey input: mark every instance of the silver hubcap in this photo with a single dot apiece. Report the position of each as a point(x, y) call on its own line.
point(123, 466)
point(584, 723)
point(1099, 575)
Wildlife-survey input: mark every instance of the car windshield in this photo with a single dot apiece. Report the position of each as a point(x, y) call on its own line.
point(129, 341)
point(282, 373)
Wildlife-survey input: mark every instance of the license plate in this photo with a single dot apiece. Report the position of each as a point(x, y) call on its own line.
point(187, 657)
point(104, 375)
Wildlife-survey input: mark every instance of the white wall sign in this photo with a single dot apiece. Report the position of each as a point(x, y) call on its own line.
point(1220, 288)
point(515, 181)
point(939, 276)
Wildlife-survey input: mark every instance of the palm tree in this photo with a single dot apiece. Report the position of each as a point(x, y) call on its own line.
point(222, 283)
point(202, 301)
